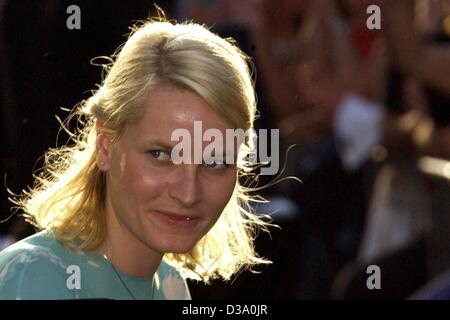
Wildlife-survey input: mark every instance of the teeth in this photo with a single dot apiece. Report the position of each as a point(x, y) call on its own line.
point(188, 219)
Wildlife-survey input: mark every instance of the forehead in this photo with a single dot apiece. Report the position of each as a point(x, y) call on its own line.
point(168, 108)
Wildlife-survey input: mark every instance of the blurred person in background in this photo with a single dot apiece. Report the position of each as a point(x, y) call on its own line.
point(406, 218)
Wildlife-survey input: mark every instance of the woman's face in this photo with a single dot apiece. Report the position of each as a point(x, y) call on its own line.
point(165, 207)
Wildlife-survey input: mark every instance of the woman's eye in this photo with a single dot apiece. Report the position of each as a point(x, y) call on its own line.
point(160, 155)
point(215, 164)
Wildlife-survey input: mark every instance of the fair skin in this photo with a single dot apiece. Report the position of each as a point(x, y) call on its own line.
point(152, 205)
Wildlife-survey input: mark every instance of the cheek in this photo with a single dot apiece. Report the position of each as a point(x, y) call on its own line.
point(134, 177)
point(219, 193)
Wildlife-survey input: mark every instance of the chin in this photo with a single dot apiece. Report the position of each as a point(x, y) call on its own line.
point(181, 249)
point(177, 248)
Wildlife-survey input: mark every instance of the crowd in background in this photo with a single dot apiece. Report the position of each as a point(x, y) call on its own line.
point(367, 111)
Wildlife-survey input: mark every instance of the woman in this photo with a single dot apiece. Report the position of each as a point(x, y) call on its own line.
point(121, 220)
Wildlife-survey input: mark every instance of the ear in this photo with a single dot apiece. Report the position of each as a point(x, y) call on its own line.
point(103, 147)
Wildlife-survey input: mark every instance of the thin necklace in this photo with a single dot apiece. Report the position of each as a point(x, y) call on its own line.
point(124, 284)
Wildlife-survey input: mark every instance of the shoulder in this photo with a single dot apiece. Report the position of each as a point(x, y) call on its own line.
point(33, 269)
point(171, 284)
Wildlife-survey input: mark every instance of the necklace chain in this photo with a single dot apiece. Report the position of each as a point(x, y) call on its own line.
point(124, 284)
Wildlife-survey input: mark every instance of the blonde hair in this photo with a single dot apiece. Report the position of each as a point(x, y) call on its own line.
point(68, 195)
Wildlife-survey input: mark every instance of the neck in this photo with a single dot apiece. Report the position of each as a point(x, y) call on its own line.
point(125, 251)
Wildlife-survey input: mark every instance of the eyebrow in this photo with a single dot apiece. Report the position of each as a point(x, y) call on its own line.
point(158, 142)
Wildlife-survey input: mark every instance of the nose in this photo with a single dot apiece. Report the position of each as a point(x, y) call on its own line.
point(186, 188)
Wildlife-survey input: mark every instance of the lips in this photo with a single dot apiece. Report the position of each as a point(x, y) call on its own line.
point(177, 218)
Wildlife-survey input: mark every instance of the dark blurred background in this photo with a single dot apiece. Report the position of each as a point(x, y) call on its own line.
point(363, 95)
